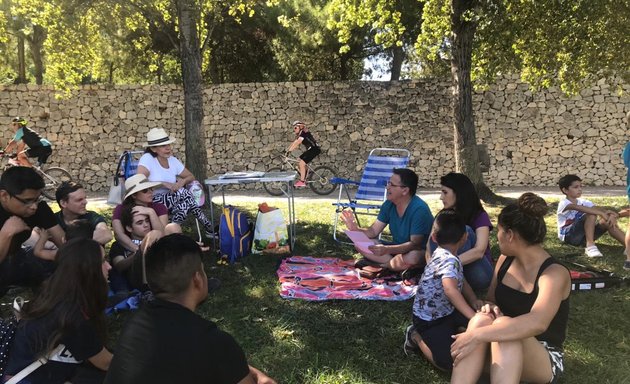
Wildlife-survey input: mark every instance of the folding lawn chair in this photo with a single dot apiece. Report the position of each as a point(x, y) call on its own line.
point(127, 167)
point(371, 192)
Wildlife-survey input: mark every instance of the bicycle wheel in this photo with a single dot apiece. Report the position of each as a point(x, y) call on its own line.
point(319, 180)
point(53, 177)
point(275, 188)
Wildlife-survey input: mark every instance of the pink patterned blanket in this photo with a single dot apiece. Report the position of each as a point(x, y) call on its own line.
point(317, 279)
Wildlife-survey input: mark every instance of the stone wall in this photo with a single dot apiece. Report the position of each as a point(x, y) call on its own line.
point(530, 138)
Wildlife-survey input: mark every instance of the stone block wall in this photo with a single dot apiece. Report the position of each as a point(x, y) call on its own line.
point(531, 138)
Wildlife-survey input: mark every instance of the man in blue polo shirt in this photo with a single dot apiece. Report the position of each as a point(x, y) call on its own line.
point(409, 219)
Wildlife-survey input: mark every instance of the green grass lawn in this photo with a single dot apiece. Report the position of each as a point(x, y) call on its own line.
point(361, 341)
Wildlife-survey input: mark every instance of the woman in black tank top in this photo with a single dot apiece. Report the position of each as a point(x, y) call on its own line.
point(525, 317)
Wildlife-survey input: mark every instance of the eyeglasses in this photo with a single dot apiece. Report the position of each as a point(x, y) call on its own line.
point(148, 190)
point(390, 184)
point(27, 202)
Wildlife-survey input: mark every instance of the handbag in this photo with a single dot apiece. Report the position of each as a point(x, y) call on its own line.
point(116, 192)
point(117, 187)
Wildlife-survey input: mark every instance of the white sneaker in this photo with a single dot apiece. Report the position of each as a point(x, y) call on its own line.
point(592, 251)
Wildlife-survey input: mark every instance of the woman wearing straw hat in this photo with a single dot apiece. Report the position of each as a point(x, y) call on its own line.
point(159, 165)
point(139, 194)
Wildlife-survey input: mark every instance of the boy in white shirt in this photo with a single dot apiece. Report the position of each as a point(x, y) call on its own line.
point(577, 218)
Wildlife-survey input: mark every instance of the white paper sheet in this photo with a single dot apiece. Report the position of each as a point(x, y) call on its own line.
point(360, 241)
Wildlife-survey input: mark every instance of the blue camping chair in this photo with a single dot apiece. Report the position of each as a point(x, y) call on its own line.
point(371, 192)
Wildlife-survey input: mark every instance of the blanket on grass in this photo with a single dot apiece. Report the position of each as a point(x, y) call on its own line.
point(318, 279)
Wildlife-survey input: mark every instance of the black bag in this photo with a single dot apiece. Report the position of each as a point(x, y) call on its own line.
point(7, 334)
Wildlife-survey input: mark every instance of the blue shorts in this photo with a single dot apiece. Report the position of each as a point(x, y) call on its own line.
point(576, 235)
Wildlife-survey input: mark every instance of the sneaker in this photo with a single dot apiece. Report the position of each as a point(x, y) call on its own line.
point(213, 284)
point(592, 251)
point(299, 184)
point(211, 235)
point(626, 265)
point(410, 347)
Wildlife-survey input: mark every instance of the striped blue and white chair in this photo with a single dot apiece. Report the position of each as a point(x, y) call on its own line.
point(371, 192)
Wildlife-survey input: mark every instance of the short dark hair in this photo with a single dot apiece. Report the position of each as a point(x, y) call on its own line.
point(171, 262)
point(79, 229)
point(66, 188)
point(16, 180)
point(126, 215)
point(566, 181)
point(408, 178)
point(450, 227)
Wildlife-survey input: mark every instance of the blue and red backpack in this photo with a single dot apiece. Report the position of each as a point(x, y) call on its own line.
point(235, 234)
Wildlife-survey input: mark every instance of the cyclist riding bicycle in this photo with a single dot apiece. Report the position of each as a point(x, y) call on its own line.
point(303, 136)
point(24, 136)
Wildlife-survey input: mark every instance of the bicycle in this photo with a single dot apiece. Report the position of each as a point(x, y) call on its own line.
point(317, 178)
point(53, 176)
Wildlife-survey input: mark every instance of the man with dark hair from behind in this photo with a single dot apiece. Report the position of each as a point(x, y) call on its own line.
point(165, 341)
point(20, 211)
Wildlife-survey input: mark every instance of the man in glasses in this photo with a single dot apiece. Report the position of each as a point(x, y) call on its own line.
point(72, 200)
point(21, 210)
point(409, 219)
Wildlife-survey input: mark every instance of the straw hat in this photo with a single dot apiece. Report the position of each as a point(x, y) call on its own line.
point(137, 183)
point(158, 136)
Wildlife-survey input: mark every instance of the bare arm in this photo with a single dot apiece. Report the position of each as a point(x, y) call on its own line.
point(456, 298)
point(372, 232)
point(478, 251)
point(256, 376)
point(553, 286)
point(56, 235)
point(415, 243)
point(102, 234)
point(39, 249)
point(184, 178)
point(102, 359)
point(122, 237)
point(296, 143)
point(606, 214)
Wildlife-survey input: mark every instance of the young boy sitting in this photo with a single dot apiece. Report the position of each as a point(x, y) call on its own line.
point(444, 301)
point(126, 273)
point(577, 218)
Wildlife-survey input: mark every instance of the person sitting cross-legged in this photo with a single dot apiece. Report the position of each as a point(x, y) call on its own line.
point(409, 219)
point(166, 341)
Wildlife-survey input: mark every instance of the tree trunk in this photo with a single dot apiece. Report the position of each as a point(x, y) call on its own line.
point(465, 139)
point(36, 44)
point(398, 56)
point(21, 70)
point(196, 157)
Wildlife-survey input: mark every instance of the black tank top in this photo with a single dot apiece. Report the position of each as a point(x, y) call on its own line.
point(515, 303)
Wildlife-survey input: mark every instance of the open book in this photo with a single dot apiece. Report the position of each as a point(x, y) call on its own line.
point(360, 241)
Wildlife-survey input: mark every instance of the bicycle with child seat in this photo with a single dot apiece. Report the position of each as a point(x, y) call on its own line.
point(317, 178)
point(53, 176)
